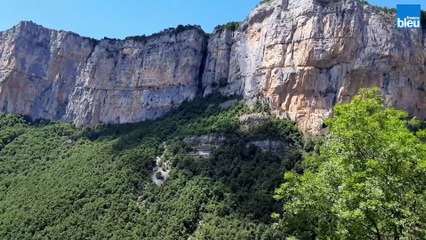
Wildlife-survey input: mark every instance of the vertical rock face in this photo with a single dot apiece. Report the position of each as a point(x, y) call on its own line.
point(59, 75)
point(304, 56)
point(39, 69)
point(299, 56)
point(216, 70)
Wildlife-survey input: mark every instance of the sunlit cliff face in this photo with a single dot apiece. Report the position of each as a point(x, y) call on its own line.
point(301, 57)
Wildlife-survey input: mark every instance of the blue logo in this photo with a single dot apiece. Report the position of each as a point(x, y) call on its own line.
point(408, 16)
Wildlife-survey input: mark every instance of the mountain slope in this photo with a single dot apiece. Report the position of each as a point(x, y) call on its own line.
point(62, 182)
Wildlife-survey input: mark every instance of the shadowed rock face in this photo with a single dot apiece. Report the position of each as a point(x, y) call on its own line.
point(299, 56)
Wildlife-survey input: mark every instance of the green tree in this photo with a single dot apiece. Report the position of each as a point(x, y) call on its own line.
point(367, 182)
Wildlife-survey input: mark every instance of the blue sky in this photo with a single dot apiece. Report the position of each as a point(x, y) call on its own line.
point(118, 19)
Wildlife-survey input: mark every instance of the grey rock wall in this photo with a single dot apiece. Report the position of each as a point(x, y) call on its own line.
point(59, 75)
point(299, 56)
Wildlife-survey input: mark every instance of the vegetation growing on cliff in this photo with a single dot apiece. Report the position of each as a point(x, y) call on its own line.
point(264, 1)
point(177, 30)
point(379, 8)
point(231, 26)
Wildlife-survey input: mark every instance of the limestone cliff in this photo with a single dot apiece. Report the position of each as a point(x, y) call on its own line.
point(304, 56)
point(299, 56)
point(59, 75)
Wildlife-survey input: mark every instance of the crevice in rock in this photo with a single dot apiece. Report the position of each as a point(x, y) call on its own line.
point(202, 66)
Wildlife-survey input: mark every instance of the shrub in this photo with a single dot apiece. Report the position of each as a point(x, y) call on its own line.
point(231, 26)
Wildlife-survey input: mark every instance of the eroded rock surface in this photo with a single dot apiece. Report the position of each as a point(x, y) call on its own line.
point(276, 147)
point(59, 75)
point(161, 171)
point(304, 56)
point(299, 56)
point(203, 146)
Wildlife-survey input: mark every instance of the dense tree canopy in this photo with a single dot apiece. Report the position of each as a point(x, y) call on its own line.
point(58, 181)
point(367, 182)
point(365, 179)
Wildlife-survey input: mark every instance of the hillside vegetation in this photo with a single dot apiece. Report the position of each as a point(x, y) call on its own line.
point(210, 170)
point(367, 181)
point(62, 182)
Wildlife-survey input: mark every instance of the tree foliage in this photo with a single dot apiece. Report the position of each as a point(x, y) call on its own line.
point(58, 181)
point(367, 182)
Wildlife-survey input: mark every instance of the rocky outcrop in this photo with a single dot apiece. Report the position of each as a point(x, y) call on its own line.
point(59, 75)
point(203, 146)
point(275, 147)
point(301, 57)
point(163, 166)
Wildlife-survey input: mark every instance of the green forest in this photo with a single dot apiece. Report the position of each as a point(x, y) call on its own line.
point(364, 178)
